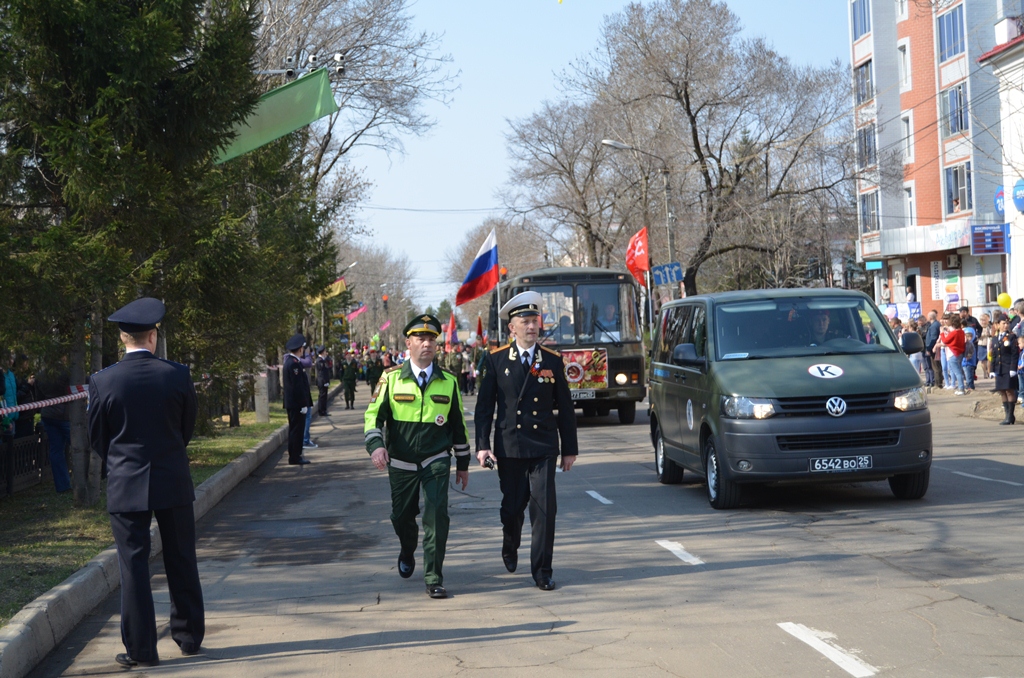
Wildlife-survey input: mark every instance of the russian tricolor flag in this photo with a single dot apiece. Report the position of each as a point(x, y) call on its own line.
point(483, 274)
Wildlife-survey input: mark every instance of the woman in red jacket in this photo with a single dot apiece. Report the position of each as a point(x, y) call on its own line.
point(954, 342)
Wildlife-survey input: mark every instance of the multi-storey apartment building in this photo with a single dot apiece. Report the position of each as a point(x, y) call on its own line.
point(928, 148)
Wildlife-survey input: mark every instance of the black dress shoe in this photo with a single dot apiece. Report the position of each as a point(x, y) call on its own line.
point(300, 462)
point(511, 560)
point(436, 591)
point(188, 649)
point(546, 584)
point(126, 661)
point(406, 565)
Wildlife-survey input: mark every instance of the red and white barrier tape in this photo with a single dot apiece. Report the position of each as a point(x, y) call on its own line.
point(48, 402)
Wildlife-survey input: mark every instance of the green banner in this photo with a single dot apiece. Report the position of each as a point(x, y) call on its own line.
point(282, 111)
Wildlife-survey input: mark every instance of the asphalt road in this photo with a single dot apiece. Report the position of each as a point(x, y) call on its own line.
point(299, 573)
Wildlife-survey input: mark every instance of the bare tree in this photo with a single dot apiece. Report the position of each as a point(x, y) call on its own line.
point(379, 272)
point(749, 130)
point(561, 180)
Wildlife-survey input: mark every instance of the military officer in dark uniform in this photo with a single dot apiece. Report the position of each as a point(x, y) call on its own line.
point(349, 377)
point(420, 407)
point(526, 383)
point(297, 397)
point(142, 412)
point(323, 379)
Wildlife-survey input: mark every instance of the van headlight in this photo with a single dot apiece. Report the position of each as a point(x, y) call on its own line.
point(741, 407)
point(911, 399)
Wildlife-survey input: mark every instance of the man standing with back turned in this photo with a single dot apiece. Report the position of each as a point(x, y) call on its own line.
point(142, 412)
point(526, 382)
point(297, 397)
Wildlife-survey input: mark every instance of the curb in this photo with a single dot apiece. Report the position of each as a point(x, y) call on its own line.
point(43, 623)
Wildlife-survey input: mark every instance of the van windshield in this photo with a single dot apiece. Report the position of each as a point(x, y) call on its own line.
point(800, 327)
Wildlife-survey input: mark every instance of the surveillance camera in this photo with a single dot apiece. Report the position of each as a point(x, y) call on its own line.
point(289, 61)
point(338, 70)
point(339, 58)
point(289, 72)
point(312, 59)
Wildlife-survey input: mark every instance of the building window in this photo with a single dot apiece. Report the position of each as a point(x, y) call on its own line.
point(959, 197)
point(908, 205)
point(869, 212)
point(903, 63)
point(955, 116)
point(861, 18)
point(901, 9)
point(992, 292)
point(951, 33)
point(864, 88)
point(866, 148)
point(907, 138)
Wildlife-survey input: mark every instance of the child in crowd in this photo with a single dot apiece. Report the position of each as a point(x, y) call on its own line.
point(969, 360)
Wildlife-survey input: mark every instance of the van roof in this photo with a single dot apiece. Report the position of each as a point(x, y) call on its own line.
point(754, 295)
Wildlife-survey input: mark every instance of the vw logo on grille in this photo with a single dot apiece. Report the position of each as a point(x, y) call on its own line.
point(836, 406)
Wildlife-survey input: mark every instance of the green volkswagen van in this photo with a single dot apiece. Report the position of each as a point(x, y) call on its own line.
point(766, 386)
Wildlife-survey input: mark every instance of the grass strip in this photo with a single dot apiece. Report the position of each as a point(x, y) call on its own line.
point(44, 538)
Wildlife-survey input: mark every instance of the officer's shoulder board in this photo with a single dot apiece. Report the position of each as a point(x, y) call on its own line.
point(450, 373)
point(500, 349)
point(550, 350)
point(392, 369)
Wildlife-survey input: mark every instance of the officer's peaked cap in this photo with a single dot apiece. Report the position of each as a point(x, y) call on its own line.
point(523, 304)
point(423, 324)
point(138, 316)
point(296, 342)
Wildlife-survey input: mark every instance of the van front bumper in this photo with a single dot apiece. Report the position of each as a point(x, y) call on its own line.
point(783, 448)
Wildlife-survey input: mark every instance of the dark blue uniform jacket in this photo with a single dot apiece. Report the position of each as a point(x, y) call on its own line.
point(142, 412)
point(528, 425)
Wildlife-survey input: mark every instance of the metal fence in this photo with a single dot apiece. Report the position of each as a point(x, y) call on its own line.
point(24, 462)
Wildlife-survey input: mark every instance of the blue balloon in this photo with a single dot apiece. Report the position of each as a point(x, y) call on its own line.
point(1000, 201)
point(1018, 195)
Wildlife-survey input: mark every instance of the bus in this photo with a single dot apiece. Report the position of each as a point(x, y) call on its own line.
point(592, 317)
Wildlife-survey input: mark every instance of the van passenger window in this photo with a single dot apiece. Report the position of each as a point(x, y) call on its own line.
point(674, 323)
point(699, 333)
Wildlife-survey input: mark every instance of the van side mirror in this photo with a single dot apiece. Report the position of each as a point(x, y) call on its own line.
point(911, 342)
point(686, 354)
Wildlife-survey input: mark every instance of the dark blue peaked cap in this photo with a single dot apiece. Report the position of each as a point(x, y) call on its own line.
point(140, 315)
point(297, 341)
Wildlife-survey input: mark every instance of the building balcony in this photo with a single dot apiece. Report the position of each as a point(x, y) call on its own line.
point(896, 242)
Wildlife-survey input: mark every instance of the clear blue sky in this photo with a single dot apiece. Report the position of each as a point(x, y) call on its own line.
point(509, 52)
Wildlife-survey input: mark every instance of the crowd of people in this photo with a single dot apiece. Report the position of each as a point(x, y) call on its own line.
point(370, 362)
point(958, 345)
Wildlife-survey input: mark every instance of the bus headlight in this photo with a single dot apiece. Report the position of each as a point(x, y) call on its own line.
point(621, 379)
point(741, 407)
point(911, 399)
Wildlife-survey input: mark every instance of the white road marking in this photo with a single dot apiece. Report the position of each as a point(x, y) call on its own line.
point(598, 497)
point(819, 641)
point(991, 480)
point(679, 552)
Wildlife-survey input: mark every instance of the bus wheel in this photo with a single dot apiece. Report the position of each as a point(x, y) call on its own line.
point(589, 411)
point(627, 412)
point(604, 410)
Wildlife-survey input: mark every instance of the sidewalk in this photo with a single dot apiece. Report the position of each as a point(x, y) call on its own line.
point(296, 559)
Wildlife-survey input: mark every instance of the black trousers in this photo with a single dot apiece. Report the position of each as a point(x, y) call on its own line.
point(321, 402)
point(530, 482)
point(138, 618)
point(350, 395)
point(296, 429)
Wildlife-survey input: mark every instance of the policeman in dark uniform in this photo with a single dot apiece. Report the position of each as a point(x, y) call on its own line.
point(420, 407)
point(323, 378)
point(142, 412)
point(297, 398)
point(526, 383)
point(349, 377)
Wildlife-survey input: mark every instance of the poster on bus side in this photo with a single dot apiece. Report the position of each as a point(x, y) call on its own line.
point(586, 368)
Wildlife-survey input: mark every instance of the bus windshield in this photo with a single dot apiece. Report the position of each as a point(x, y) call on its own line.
point(599, 314)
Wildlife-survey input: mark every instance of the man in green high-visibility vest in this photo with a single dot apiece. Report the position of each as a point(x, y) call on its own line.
point(419, 406)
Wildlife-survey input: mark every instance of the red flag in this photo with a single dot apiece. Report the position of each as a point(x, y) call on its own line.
point(637, 259)
point(452, 336)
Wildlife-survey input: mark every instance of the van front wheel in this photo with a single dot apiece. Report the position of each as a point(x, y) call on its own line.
point(669, 473)
point(910, 485)
point(722, 493)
